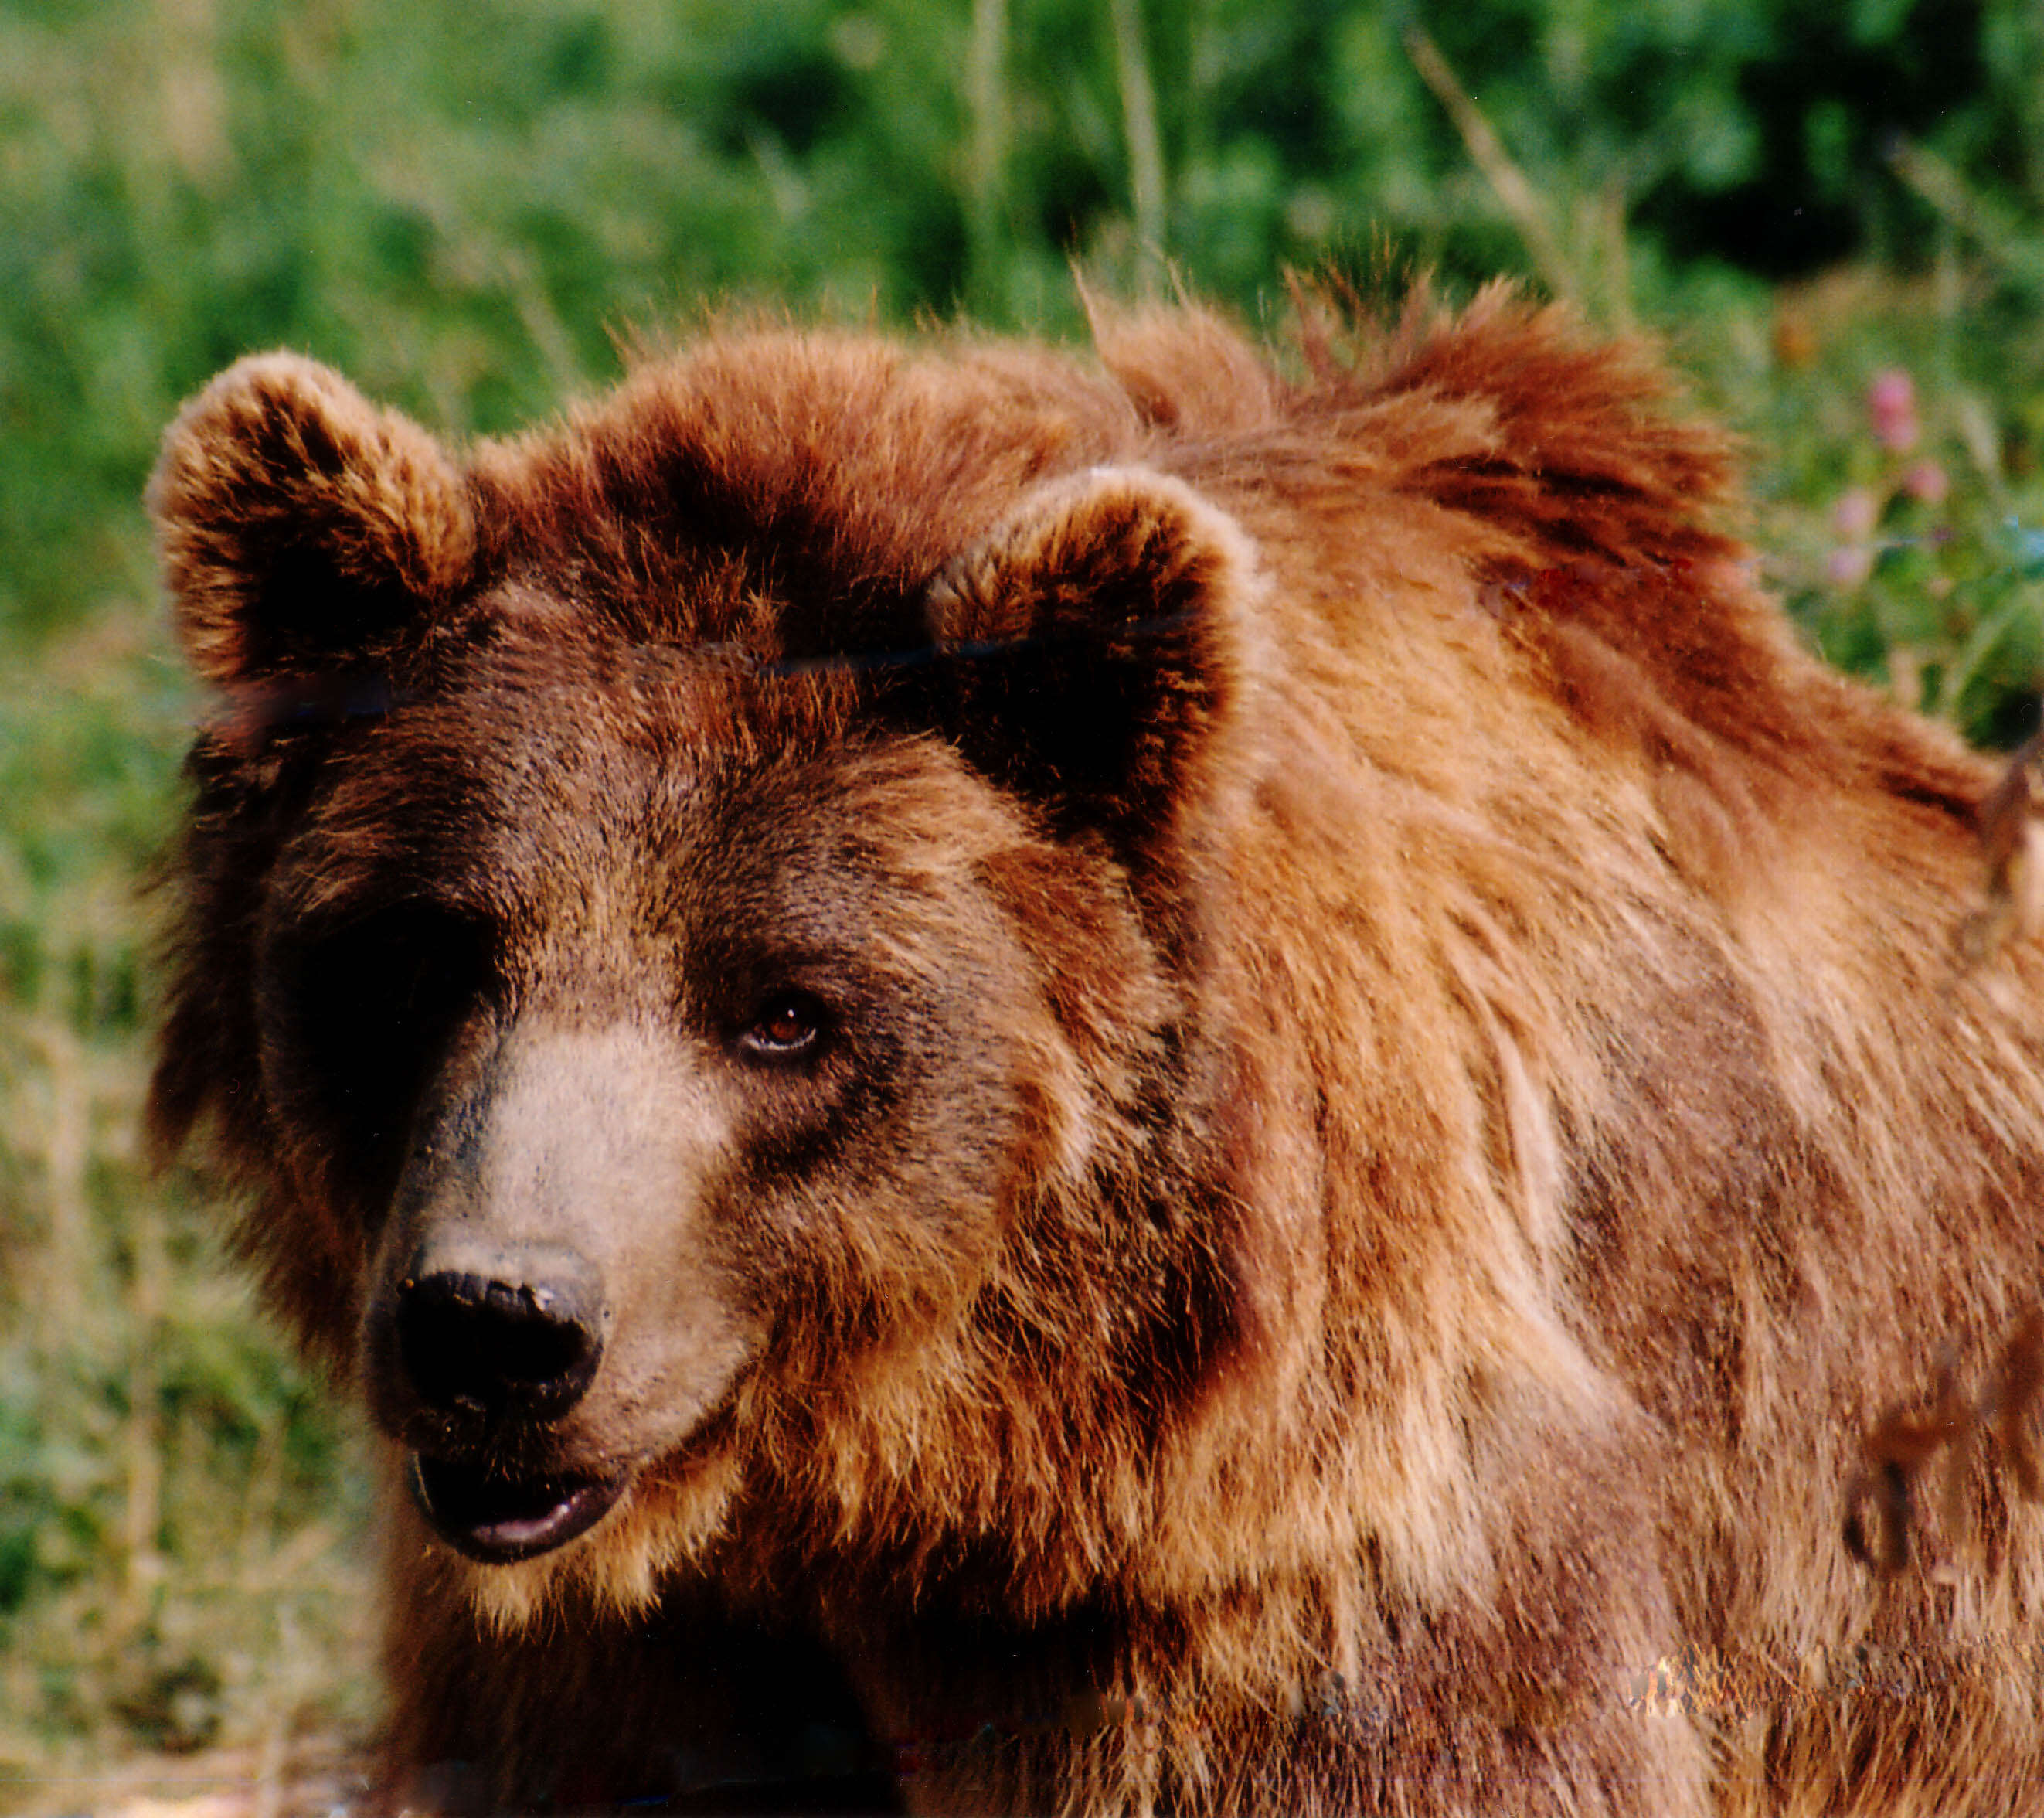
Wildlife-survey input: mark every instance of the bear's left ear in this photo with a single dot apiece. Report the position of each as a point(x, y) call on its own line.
point(300, 526)
point(1097, 646)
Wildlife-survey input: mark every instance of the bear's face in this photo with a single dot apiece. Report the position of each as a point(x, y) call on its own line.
point(633, 1040)
point(649, 1039)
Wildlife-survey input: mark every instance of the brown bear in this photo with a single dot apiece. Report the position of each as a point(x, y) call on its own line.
point(1186, 1083)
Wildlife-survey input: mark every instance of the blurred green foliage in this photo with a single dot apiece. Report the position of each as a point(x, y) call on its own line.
point(466, 207)
point(457, 204)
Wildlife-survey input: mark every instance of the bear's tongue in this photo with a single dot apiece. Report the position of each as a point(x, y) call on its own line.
point(497, 1520)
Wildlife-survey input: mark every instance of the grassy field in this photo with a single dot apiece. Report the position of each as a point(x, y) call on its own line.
point(181, 1530)
point(182, 1519)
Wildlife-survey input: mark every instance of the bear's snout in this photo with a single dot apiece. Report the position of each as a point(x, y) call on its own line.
point(549, 1313)
point(516, 1332)
point(495, 1344)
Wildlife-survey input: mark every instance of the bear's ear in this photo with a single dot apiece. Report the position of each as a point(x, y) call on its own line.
point(1097, 643)
point(300, 526)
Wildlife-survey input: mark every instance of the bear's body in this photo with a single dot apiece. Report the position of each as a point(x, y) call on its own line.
point(1023, 1087)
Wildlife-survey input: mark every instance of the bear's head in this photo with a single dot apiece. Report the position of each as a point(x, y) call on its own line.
point(683, 930)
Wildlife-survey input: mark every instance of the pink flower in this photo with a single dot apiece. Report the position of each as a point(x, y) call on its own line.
point(1849, 566)
point(1857, 512)
point(1926, 483)
point(1891, 402)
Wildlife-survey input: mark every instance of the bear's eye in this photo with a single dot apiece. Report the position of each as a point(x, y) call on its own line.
point(788, 1024)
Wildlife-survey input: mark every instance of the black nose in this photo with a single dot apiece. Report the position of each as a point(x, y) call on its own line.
point(513, 1334)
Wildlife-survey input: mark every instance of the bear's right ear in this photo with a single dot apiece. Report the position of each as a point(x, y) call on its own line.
point(300, 526)
point(1098, 645)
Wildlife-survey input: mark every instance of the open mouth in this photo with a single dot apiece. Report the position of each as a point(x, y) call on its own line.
point(497, 1520)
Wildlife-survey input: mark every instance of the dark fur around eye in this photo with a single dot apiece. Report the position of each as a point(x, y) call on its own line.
point(362, 1012)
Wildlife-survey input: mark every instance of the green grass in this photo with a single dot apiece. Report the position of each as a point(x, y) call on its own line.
point(180, 1553)
point(1917, 560)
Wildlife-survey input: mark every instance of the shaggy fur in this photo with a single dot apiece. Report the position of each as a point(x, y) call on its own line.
point(1380, 1090)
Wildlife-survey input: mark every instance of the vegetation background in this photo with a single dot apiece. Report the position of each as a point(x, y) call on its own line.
point(1833, 210)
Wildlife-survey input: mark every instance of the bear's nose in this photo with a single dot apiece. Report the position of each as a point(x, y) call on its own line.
point(517, 1333)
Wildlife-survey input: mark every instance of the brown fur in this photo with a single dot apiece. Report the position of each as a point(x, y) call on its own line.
point(1397, 1093)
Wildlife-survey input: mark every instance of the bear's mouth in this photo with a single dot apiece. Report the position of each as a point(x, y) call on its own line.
point(498, 1520)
